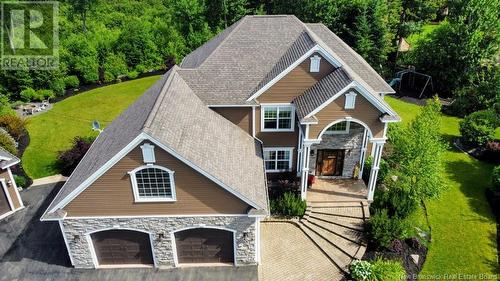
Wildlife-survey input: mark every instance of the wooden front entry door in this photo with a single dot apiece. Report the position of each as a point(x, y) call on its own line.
point(329, 162)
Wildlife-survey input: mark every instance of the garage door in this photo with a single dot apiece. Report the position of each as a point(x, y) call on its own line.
point(122, 247)
point(204, 245)
point(4, 202)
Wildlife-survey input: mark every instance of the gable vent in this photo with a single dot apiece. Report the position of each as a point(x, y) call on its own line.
point(350, 100)
point(315, 63)
point(148, 153)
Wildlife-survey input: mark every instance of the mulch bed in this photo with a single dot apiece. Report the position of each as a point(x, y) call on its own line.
point(405, 248)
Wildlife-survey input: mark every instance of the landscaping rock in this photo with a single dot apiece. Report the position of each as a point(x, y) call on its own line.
point(415, 259)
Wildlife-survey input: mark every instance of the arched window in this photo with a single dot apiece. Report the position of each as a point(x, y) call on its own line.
point(152, 183)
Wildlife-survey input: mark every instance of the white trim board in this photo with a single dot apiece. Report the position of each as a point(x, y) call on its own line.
point(122, 153)
point(154, 216)
point(316, 49)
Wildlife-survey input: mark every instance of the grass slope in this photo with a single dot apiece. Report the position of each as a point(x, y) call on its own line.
point(463, 227)
point(54, 130)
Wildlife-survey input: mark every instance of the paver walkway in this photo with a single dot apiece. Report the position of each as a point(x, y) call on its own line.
point(288, 254)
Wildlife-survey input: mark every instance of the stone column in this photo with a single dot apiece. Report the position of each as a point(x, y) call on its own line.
point(372, 182)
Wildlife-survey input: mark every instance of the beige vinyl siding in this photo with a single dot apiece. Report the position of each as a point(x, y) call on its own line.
point(364, 111)
point(112, 193)
point(240, 116)
point(10, 187)
point(295, 82)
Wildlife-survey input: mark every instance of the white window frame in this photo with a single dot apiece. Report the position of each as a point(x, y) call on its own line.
point(350, 100)
point(346, 131)
point(277, 106)
point(276, 149)
point(315, 63)
point(148, 153)
point(135, 188)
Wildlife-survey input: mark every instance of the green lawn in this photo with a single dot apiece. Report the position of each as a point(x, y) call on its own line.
point(54, 130)
point(463, 228)
point(426, 30)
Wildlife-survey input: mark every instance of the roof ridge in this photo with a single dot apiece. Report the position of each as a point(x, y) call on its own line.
point(237, 27)
point(160, 97)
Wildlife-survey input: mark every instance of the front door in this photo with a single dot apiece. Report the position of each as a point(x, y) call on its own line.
point(329, 162)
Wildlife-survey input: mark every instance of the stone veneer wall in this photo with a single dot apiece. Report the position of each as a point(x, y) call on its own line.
point(351, 141)
point(162, 249)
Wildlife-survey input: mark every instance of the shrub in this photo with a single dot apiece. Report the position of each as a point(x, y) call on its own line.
point(397, 195)
point(114, 66)
point(7, 142)
point(69, 159)
point(133, 74)
point(382, 172)
point(495, 178)
point(20, 181)
point(361, 270)
point(388, 270)
point(479, 127)
point(382, 229)
point(15, 125)
point(28, 94)
point(71, 82)
point(288, 205)
point(58, 86)
point(44, 94)
point(491, 152)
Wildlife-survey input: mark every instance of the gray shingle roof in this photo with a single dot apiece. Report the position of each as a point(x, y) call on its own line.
point(233, 66)
point(350, 58)
point(171, 113)
point(8, 159)
point(321, 92)
point(232, 71)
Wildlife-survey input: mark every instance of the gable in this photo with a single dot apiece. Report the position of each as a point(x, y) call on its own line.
point(296, 81)
point(112, 195)
point(364, 111)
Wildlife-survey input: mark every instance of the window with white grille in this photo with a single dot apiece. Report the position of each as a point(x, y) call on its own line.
point(153, 183)
point(278, 159)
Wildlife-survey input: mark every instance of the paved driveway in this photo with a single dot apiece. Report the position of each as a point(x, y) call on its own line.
point(34, 250)
point(287, 254)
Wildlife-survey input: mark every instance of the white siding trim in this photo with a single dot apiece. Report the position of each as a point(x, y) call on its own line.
point(154, 216)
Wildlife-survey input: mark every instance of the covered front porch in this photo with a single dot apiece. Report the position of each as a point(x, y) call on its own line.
point(337, 190)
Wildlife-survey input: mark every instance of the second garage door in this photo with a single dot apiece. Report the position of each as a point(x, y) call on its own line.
point(204, 245)
point(115, 247)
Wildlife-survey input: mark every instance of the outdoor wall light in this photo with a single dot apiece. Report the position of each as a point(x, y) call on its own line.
point(76, 237)
point(160, 236)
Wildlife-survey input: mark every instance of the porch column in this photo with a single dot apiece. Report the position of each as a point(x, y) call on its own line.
point(364, 147)
point(378, 147)
point(305, 171)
